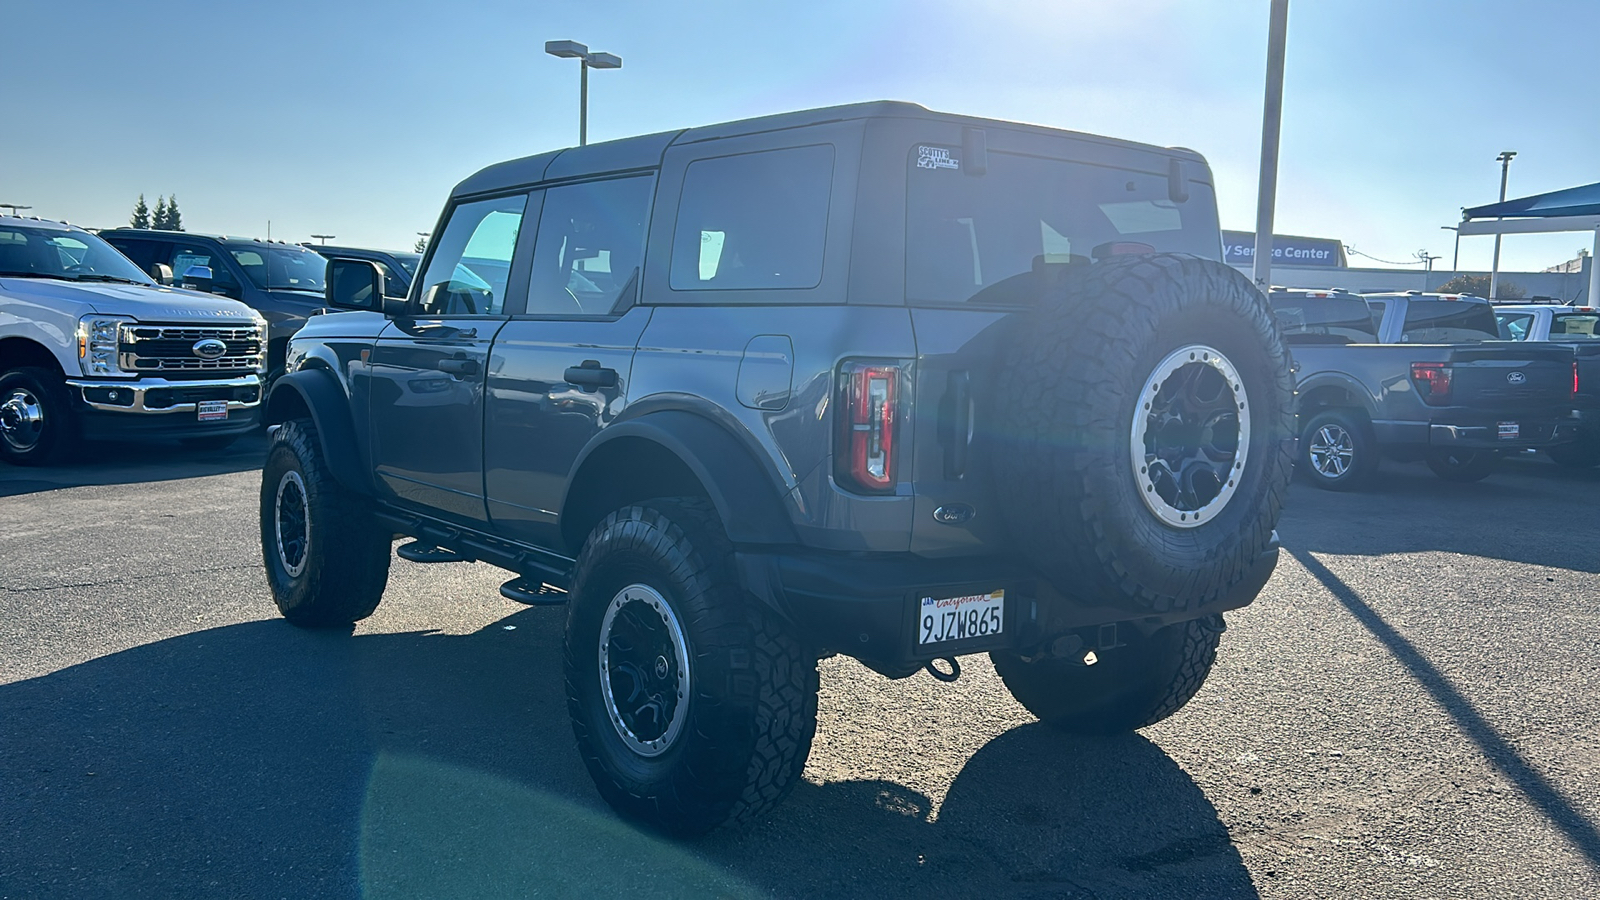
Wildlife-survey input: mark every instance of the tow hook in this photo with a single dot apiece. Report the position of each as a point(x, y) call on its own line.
point(946, 677)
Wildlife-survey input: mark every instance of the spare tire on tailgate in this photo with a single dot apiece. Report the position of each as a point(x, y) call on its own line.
point(1144, 422)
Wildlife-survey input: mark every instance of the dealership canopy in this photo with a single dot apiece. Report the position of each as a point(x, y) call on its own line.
point(1573, 209)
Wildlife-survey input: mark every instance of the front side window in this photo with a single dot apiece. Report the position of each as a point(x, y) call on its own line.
point(27, 252)
point(1514, 327)
point(1448, 322)
point(187, 256)
point(757, 221)
point(999, 236)
point(1573, 327)
point(273, 267)
point(590, 246)
point(471, 263)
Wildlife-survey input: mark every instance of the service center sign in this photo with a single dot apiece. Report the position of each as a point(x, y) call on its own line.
point(1240, 250)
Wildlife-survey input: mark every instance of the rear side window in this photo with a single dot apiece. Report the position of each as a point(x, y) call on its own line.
point(1325, 320)
point(1448, 322)
point(997, 237)
point(590, 246)
point(1573, 326)
point(757, 221)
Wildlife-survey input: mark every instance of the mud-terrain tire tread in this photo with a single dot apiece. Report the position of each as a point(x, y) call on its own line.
point(60, 442)
point(1364, 464)
point(754, 685)
point(1067, 695)
point(343, 583)
point(1060, 396)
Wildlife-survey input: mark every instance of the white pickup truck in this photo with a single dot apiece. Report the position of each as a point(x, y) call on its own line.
point(92, 349)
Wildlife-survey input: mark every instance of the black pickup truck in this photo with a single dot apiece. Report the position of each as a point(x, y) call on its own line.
point(1417, 376)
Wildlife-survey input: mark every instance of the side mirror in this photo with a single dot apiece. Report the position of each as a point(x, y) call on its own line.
point(355, 284)
point(197, 278)
point(162, 273)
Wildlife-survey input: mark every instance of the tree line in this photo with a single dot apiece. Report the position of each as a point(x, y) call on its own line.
point(165, 218)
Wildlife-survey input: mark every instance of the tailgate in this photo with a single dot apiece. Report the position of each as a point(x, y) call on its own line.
point(1512, 377)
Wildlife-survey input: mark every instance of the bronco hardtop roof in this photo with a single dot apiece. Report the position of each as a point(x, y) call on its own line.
point(645, 151)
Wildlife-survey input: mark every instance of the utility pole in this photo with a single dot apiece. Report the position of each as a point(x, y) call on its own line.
point(1494, 271)
point(1271, 122)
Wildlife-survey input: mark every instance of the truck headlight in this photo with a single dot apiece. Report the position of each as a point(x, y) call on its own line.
point(98, 337)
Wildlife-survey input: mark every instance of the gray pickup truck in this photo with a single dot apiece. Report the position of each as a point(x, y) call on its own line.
point(1417, 376)
point(867, 380)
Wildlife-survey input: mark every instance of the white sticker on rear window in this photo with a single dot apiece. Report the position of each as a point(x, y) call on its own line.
point(936, 158)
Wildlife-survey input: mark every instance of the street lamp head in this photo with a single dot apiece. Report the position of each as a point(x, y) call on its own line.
point(603, 61)
point(566, 49)
point(1506, 155)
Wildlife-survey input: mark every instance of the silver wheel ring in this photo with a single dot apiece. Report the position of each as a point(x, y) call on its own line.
point(23, 407)
point(1332, 450)
point(1193, 354)
point(643, 593)
point(291, 477)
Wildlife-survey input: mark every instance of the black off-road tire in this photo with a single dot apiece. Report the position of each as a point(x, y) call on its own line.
point(1355, 432)
point(1127, 687)
point(337, 575)
point(1463, 466)
point(56, 440)
point(751, 701)
point(1066, 399)
point(1584, 453)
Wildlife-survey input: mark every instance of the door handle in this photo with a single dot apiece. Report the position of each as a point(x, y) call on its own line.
point(458, 366)
point(589, 374)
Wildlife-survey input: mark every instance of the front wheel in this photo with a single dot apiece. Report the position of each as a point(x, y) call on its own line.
point(38, 426)
point(326, 556)
point(693, 704)
point(1338, 451)
point(1462, 466)
point(1128, 687)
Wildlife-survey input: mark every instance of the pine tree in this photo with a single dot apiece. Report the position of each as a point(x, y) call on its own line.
point(174, 218)
point(421, 245)
point(141, 214)
point(159, 220)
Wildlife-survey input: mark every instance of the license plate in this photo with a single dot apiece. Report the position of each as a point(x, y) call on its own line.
point(1510, 431)
point(212, 410)
point(959, 618)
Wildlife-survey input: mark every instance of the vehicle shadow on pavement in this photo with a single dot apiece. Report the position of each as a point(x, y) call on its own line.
point(1539, 791)
point(1490, 519)
point(259, 759)
point(132, 464)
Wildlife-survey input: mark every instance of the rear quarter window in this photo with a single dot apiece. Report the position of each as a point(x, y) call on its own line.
point(1573, 326)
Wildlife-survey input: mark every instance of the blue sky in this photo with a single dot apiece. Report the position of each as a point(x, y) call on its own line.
point(355, 118)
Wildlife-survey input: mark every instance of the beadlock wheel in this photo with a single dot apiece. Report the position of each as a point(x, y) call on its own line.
point(1331, 450)
point(292, 518)
point(644, 670)
point(1190, 436)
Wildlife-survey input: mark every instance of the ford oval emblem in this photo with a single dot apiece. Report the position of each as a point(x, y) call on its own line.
point(210, 348)
point(953, 514)
point(1516, 378)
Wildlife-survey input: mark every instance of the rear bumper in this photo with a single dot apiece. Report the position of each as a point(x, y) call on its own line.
point(1477, 432)
point(868, 606)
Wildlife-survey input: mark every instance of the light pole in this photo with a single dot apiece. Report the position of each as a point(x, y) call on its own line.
point(14, 207)
point(1494, 271)
point(1455, 260)
point(324, 238)
point(1271, 122)
point(587, 61)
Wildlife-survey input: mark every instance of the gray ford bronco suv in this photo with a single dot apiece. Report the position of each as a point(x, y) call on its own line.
point(869, 380)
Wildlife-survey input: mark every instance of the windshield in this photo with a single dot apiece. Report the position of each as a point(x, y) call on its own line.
point(28, 252)
point(1001, 236)
point(1449, 322)
point(1573, 326)
point(279, 267)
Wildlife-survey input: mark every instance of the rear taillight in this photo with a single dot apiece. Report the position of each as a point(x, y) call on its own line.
point(868, 400)
point(1433, 382)
point(1574, 378)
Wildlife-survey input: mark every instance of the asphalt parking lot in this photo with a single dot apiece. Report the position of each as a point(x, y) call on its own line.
point(1408, 711)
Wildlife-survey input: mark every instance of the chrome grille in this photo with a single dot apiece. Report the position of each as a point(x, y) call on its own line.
point(168, 350)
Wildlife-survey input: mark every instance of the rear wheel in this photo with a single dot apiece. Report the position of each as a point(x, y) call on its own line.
point(692, 702)
point(326, 556)
point(38, 426)
point(1338, 451)
point(1125, 688)
point(1584, 453)
point(1462, 466)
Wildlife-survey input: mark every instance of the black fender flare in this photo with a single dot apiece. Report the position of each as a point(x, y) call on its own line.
point(749, 503)
point(319, 392)
point(1339, 380)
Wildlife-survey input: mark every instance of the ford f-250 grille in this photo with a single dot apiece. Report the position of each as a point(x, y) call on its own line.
point(168, 350)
